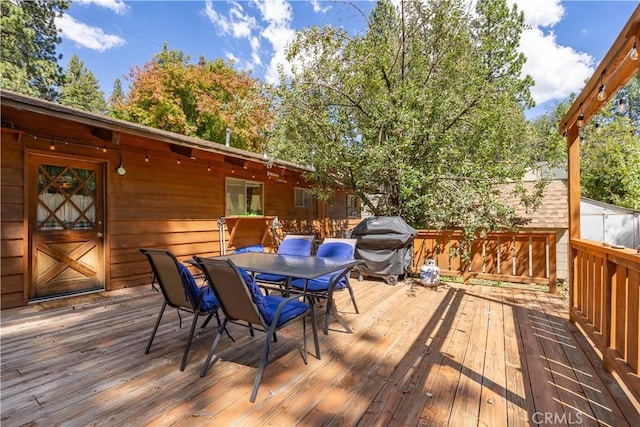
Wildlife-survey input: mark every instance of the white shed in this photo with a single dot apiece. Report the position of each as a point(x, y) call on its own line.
point(603, 222)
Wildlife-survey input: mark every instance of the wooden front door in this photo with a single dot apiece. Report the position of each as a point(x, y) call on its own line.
point(66, 225)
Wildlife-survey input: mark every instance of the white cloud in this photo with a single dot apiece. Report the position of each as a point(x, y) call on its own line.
point(90, 37)
point(317, 6)
point(278, 16)
point(541, 13)
point(272, 24)
point(118, 6)
point(557, 70)
point(219, 21)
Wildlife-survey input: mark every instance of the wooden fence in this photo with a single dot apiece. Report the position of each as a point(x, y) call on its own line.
point(522, 257)
point(604, 302)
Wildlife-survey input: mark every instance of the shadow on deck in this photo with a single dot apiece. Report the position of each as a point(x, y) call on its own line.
point(456, 355)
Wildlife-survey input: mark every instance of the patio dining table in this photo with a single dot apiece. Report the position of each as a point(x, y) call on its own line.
point(296, 267)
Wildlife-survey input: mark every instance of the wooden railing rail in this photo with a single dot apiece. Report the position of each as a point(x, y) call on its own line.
point(522, 257)
point(605, 300)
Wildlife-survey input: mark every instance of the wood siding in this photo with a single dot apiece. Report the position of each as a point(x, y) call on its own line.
point(165, 199)
point(12, 220)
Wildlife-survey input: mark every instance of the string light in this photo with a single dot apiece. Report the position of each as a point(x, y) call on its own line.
point(104, 148)
point(633, 55)
point(602, 94)
point(621, 105)
point(53, 145)
point(580, 121)
point(178, 159)
point(209, 167)
point(146, 157)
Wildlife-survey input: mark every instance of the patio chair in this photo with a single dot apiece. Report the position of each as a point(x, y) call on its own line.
point(242, 301)
point(320, 287)
point(292, 244)
point(180, 291)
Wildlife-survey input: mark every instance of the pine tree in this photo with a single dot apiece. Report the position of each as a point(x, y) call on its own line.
point(81, 89)
point(117, 95)
point(29, 63)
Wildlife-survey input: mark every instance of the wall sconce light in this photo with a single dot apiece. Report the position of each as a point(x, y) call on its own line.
point(121, 170)
point(633, 55)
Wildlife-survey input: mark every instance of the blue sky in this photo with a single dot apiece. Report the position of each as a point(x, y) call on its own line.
point(565, 42)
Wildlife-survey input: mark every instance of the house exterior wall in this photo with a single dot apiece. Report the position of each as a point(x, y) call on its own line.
point(12, 241)
point(158, 202)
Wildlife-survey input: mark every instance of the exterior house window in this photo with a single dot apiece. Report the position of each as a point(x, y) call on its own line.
point(244, 197)
point(302, 198)
point(353, 207)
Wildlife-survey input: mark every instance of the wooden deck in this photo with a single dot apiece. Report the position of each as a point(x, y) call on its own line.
point(457, 356)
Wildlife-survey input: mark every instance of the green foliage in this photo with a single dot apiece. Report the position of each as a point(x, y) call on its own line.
point(29, 36)
point(117, 95)
point(422, 116)
point(610, 151)
point(81, 89)
point(200, 100)
point(550, 145)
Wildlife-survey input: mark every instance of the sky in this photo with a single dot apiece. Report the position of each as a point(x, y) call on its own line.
point(564, 44)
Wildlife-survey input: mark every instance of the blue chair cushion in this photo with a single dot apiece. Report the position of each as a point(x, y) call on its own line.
point(293, 246)
point(266, 277)
point(293, 308)
point(319, 284)
point(196, 293)
point(267, 305)
point(254, 248)
point(336, 250)
point(257, 296)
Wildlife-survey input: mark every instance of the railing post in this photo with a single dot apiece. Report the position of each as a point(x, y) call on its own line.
point(609, 315)
point(573, 280)
point(552, 266)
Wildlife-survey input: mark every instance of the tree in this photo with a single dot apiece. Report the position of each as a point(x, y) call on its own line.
point(80, 88)
point(117, 97)
point(200, 100)
point(610, 151)
point(29, 63)
point(422, 116)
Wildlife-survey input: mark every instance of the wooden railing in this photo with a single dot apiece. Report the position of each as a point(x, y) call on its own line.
point(604, 302)
point(523, 257)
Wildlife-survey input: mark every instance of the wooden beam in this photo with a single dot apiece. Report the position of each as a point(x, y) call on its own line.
point(615, 70)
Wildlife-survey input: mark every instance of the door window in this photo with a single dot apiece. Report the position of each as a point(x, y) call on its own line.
point(66, 198)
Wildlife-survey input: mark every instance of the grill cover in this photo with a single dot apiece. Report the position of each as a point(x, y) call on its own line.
point(386, 246)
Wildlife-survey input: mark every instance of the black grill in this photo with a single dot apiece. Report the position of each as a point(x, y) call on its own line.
point(386, 246)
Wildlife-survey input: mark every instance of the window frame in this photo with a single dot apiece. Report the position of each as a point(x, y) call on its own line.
point(296, 199)
point(354, 209)
point(247, 184)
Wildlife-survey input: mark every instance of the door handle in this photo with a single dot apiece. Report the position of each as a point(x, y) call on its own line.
point(99, 234)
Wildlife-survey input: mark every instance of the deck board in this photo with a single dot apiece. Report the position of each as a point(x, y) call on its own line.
point(455, 355)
